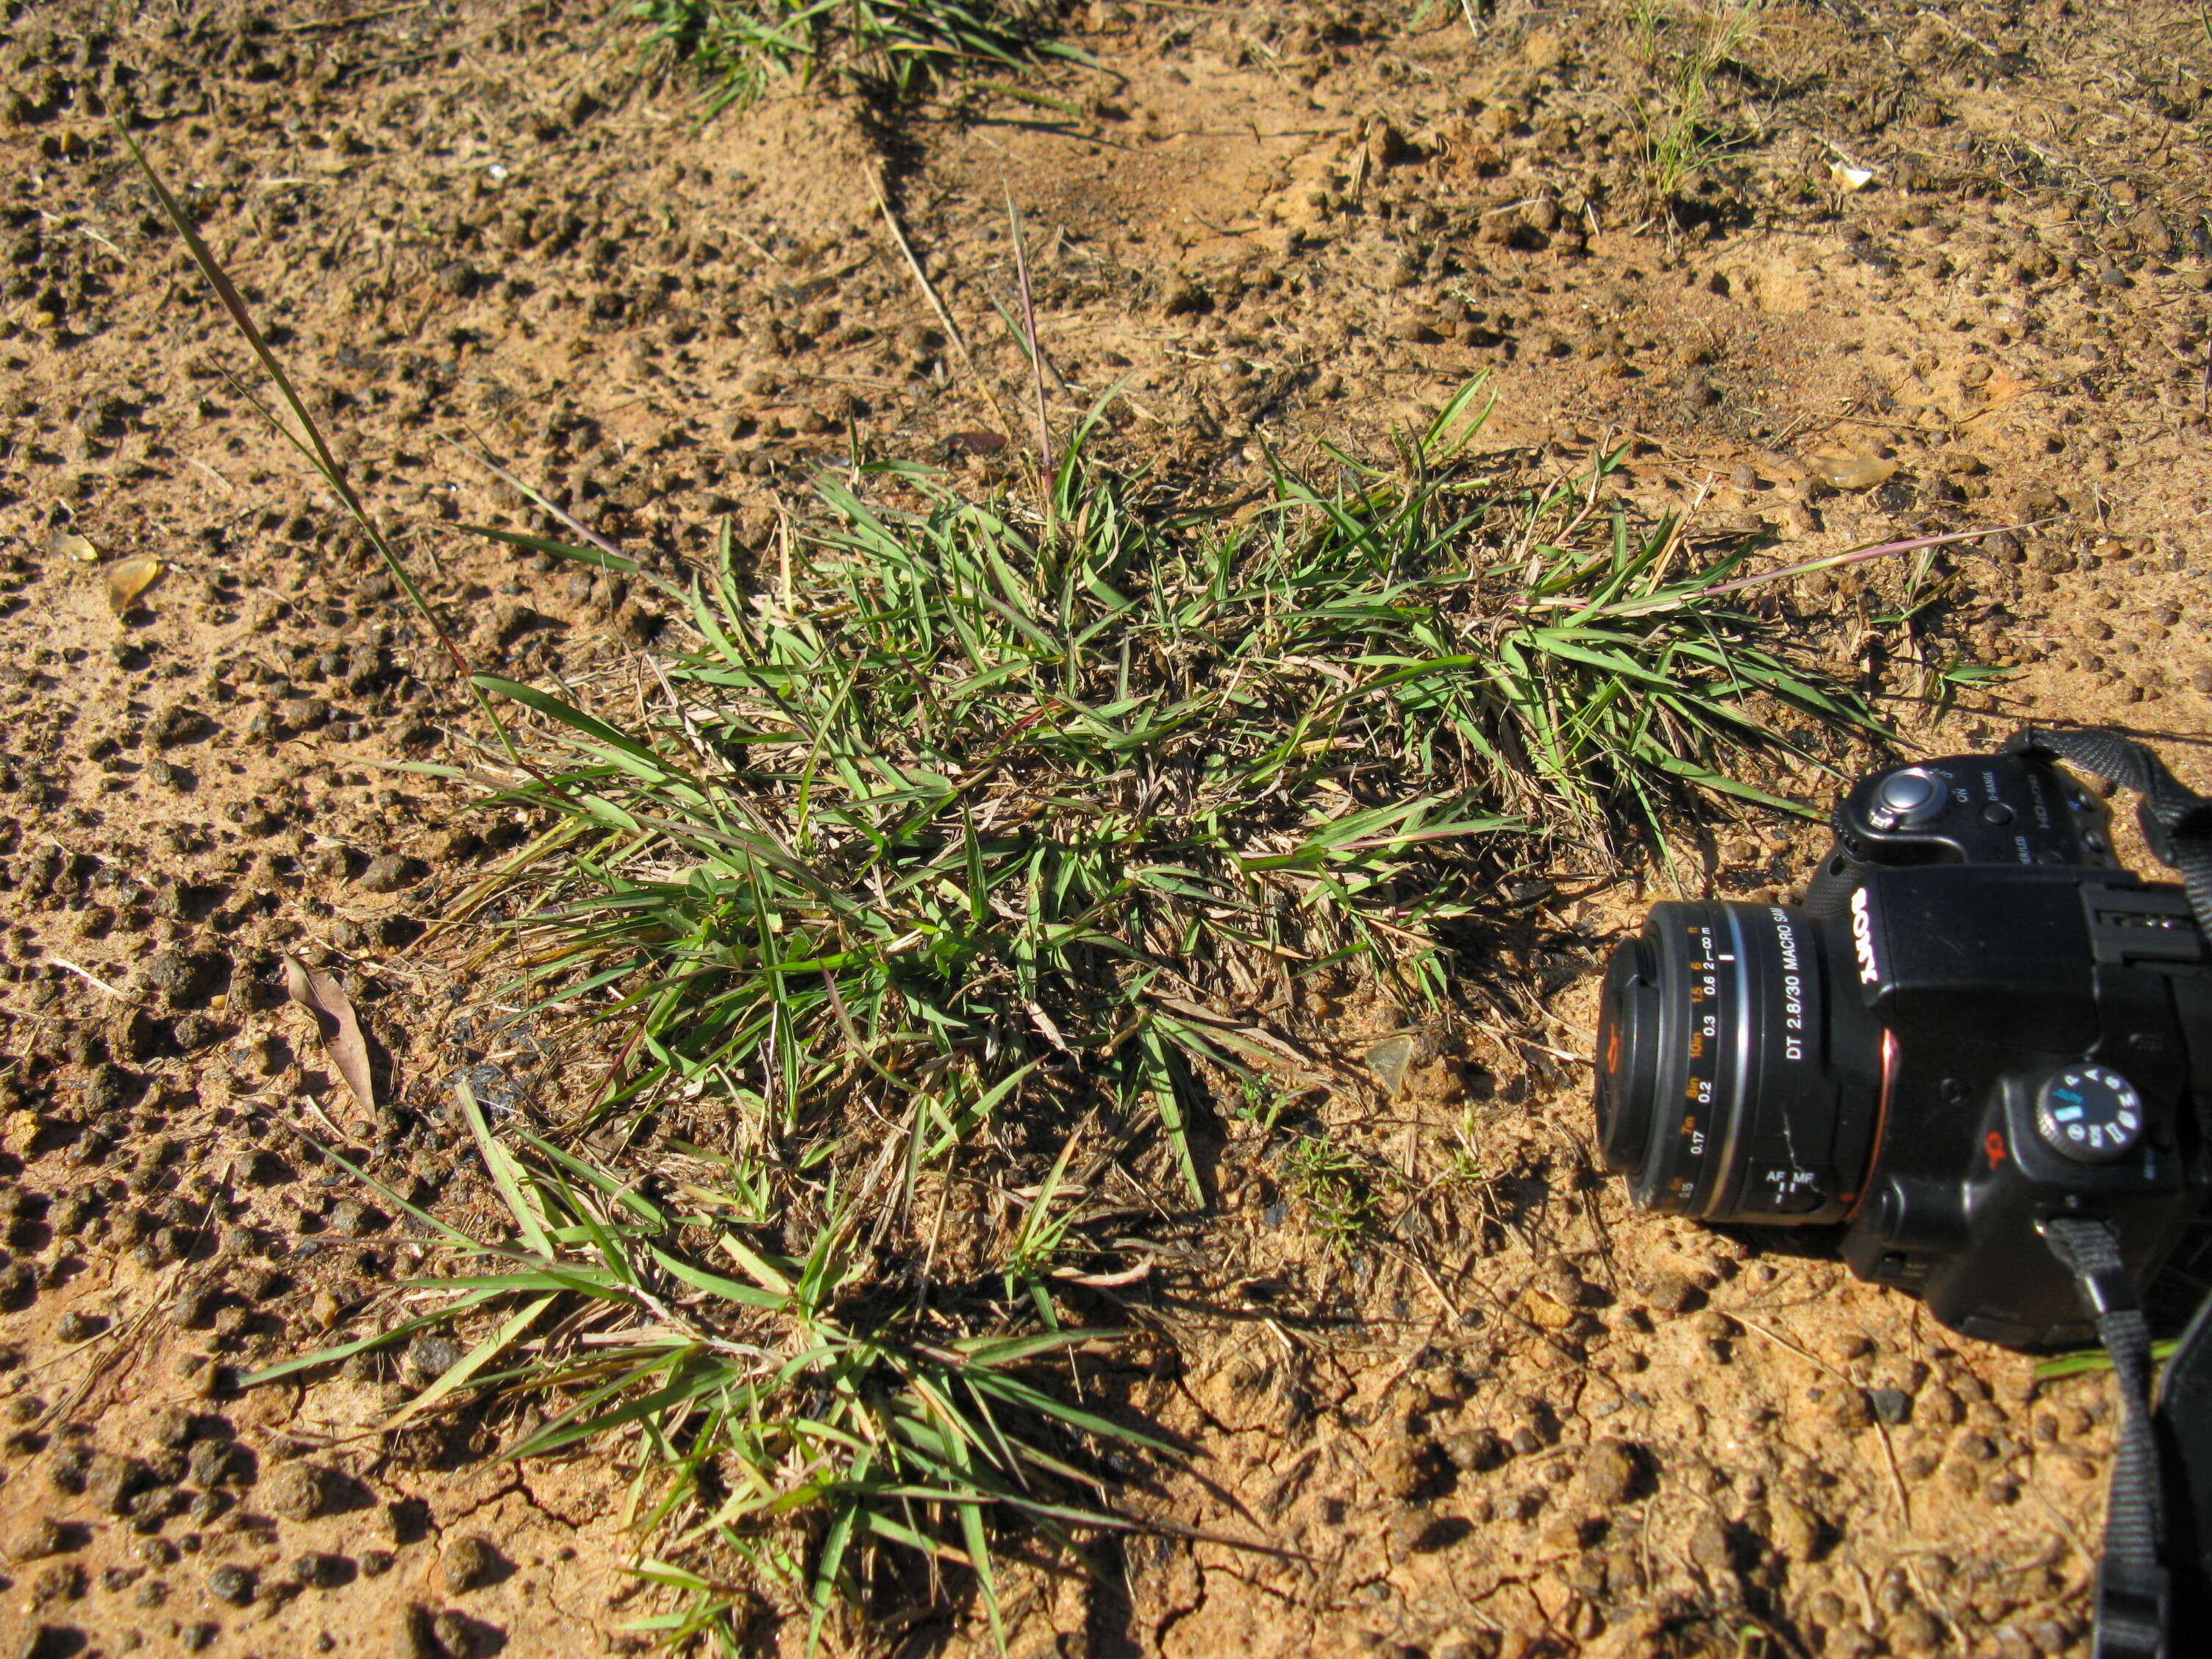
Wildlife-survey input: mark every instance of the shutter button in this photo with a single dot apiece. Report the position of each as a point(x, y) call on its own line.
point(1906, 799)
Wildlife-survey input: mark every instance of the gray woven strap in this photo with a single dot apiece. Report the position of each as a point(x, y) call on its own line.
point(2176, 820)
point(2132, 1584)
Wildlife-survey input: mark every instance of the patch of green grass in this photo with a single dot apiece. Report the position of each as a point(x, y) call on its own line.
point(746, 1389)
point(1465, 1165)
point(966, 805)
point(1940, 671)
point(1052, 1208)
point(891, 48)
point(2079, 1361)
point(1341, 1204)
point(1588, 670)
point(1684, 44)
point(965, 817)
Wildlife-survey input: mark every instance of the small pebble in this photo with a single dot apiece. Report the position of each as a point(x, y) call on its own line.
point(351, 1219)
point(1608, 1473)
point(416, 1636)
point(112, 1480)
point(1792, 1530)
point(174, 1426)
point(210, 1462)
point(47, 1536)
point(300, 1491)
point(1474, 1449)
point(470, 1563)
point(1673, 1293)
point(320, 1571)
point(1185, 298)
point(1846, 1407)
point(1710, 1547)
point(462, 1637)
point(431, 1355)
point(388, 873)
point(1890, 1404)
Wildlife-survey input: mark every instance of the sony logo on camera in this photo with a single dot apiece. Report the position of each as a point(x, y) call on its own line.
point(1862, 937)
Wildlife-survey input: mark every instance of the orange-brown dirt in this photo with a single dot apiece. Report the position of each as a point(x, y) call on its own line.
point(1517, 1418)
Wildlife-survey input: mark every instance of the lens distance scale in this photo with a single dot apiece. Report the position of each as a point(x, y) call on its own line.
point(1716, 1094)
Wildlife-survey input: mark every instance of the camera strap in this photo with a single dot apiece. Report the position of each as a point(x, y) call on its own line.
point(2136, 1577)
point(2177, 821)
point(2133, 1587)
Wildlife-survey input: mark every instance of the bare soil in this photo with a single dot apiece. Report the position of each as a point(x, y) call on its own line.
point(1517, 1418)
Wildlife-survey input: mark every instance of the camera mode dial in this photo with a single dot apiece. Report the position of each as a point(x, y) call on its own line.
point(2089, 1113)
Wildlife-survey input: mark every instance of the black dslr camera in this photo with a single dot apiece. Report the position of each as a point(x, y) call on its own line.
point(1976, 1024)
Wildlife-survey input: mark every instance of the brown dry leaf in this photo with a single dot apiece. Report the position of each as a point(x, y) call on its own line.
point(128, 578)
point(319, 994)
point(325, 1311)
point(1390, 1060)
point(1851, 471)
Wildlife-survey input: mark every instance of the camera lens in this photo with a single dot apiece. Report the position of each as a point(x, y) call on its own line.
point(1739, 1078)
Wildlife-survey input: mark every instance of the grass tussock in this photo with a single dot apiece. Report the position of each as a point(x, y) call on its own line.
point(891, 49)
point(970, 832)
point(754, 1389)
point(958, 793)
point(1685, 44)
point(922, 906)
point(969, 851)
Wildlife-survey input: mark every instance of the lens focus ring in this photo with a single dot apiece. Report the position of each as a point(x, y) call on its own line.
point(1730, 1083)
